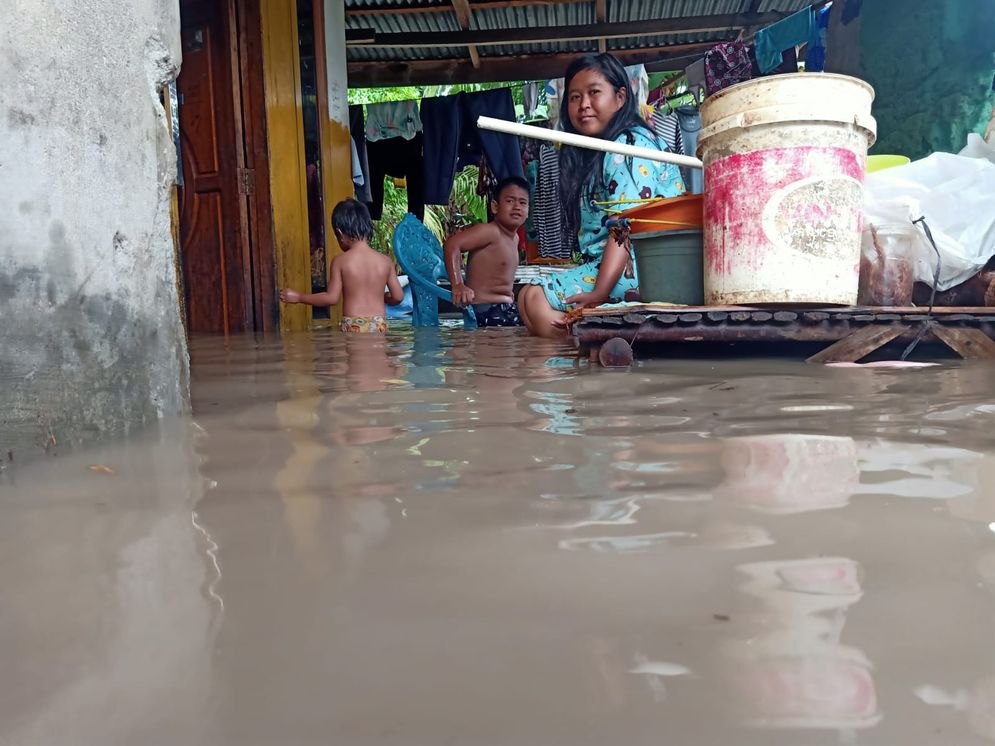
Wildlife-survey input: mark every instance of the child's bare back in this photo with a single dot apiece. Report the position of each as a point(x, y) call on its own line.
point(363, 273)
point(357, 276)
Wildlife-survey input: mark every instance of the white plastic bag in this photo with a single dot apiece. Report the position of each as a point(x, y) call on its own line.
point(956, 195)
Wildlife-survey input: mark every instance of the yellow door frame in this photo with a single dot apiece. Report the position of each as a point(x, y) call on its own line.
point(285, 139)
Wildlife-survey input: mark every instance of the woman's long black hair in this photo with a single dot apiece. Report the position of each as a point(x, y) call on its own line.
point(577, 164)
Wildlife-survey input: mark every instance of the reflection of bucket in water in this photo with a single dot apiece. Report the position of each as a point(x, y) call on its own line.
point(808, 691)
point(787, 665)
point(789, 473)
point(797, 592)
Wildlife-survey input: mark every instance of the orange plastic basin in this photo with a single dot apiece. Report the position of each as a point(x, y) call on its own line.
point(675, 213)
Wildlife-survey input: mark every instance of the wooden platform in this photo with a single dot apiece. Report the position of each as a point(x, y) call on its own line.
point(849, 333)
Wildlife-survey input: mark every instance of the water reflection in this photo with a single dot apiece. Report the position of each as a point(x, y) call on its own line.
point(789, 473)
point(787, 665)
point(359, 535)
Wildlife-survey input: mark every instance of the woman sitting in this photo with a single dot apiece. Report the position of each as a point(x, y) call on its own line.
point(598, 102)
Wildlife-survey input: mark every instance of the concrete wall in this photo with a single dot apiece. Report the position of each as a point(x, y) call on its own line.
point(91, 339)
point(931, 64)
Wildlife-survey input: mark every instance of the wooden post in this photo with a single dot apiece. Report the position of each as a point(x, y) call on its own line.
point(285, 136)
point(336, 150)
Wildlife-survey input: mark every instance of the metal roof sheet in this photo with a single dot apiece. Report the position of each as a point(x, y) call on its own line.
point(540, 15)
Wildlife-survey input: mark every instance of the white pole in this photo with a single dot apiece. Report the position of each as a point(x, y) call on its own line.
point(582, 141)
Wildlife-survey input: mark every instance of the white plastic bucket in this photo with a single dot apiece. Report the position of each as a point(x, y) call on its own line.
point(785, 158)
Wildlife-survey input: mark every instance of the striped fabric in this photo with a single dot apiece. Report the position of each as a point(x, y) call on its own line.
point(668, 127)
point(548, 210)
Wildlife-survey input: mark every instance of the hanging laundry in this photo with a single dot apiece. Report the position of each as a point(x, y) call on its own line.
point(486, 181)
point(504, 154)
point(358, 177)
point(530, 148)
point(440, 118)
point(397, 157)
point(453, 140)
point(553, 244)
point(726, 64)
point(554, 99)
point(530, 99)
point(357, 129)
point(690, 119)
point(392, 119)
point(639, 82)
point(772, 41)
point(667, 126)
point(695, 73)
point(789, 63)
point(532, 176)
point(815, 57)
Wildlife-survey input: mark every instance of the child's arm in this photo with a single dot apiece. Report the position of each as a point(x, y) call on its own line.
point(473, 238)
point(328, 298)
point(395, 293)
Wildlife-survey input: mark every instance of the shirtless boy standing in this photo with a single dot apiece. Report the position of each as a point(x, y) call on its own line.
point(493, 257)
point(358, 276)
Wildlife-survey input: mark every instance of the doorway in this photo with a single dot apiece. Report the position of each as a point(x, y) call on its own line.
point(225, 229)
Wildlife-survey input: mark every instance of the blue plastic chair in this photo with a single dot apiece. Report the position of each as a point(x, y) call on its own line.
point(419, 253)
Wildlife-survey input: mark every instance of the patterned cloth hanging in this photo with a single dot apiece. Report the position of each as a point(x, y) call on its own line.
point(726, 64)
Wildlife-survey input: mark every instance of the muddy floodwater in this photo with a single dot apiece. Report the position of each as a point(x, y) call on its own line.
point(471, 539)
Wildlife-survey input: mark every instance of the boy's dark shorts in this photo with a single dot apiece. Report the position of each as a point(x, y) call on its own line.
point(497, 314)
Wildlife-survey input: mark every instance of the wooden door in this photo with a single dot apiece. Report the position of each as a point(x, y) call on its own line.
point(214, 241)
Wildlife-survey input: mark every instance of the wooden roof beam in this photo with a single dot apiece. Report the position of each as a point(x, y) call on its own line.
point(463, 13)
point(372, 74)
point(601, 16)
point(628, 29)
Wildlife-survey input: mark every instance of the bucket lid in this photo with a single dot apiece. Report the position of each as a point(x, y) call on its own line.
point(793, 97)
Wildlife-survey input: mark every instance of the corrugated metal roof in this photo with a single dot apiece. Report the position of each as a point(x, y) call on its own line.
point(533, 17)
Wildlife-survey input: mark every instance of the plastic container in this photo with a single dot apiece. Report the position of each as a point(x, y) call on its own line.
point(877, 163)
point(669, 265)
point(785, 158)
point(675, 213)
point(887, 270)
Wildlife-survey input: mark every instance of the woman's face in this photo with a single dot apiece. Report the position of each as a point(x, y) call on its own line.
point(592, 102)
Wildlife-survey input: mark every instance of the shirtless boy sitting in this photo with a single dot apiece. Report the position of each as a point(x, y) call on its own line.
point(493, 257)
point(358, 276)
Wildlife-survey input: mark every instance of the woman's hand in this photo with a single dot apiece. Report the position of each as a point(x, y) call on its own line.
point(585, 300)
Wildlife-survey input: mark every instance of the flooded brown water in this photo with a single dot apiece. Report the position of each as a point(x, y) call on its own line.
point(453, 538)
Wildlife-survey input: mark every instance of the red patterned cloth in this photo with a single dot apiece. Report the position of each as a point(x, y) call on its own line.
point(726, 64)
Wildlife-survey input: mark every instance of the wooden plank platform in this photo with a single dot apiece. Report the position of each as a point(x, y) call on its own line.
point(850, 333)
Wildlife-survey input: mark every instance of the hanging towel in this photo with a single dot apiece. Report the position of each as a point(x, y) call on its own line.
point(392, 119)
point(789, 63)
point(815, 58)
point(726, 64)
point(773, 40)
